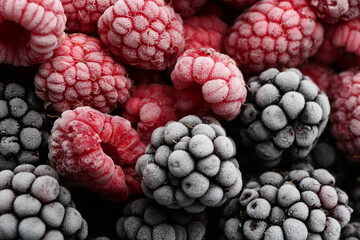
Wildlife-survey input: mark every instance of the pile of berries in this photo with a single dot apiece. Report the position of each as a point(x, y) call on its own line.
point(180, 119)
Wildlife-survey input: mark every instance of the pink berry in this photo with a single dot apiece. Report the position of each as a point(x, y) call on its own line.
point(81, 73)
point(96, 151)
point(83, 15)
point(204, 32)
point(143, 33)
point(319, 74)
point(274, 33)
point(30, 30)
point(335, 10)
point(222, 84)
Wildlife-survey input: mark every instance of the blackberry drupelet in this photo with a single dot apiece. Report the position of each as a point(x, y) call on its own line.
point(351, 231)
point(285, 112)
point(146, 219)
point(297, 205)
point(22, 126)
point(33, 205)
point(190, 164)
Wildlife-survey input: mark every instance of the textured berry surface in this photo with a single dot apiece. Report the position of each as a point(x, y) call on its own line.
point(299, 205)
point(149, 107)
point(345, 115)
point(32, 206)
point(96, 151)
point(30, 30)
point(204, 32)
point(274, 33)
point(319, 74)
point(82, 16)
point(347, 35)
point(145, 219)
point(143, 33)
point(81, 73)
point(285, 112)
point(222, 83)
point(190, 164)
point(186, 8)
point(22, 127)
point(351, 231)
point(333, 11)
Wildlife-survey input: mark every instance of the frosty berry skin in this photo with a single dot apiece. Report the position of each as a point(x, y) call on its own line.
point(30, 30)
point(143, 33)
point(96, 151)
point(82, 73)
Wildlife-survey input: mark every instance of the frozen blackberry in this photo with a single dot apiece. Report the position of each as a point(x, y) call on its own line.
point(21, 127)
point(33, 205)
point(190, 164)
point(285, 112)
point(298, 205)
point(351, 231)
point(146, 219)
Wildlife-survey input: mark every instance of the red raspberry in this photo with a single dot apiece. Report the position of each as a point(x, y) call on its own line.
point(222, 83)
point(274, 33)
point(30, 30)
point(81, 73)
point(345, 115)
point(240, 4)
point(143, 33)
point(186, 8)
point(320, 74)
point(335, 10)
point(204, 32)
point(96, 151)
point(347, 35)
point(82, 16)
point(149, 107)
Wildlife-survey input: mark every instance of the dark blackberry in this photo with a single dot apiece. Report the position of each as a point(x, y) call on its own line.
point(21, 127)
point(190, 164)
point(351, 231)
point(34, 206)
point(146, 219)
point(297, 205)
point(285, 112)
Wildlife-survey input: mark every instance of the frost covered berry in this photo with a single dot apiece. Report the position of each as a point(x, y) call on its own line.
point(82, 73)
point(143, 33)
point(33, 205)
point(190, 164)
point(96, 151)
point(30, 30)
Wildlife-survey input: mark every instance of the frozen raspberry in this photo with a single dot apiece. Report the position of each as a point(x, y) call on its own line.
point(285, 113)
point(81, 73)
point(96, 151)
point(30, 30)
point(335, 10)
point(186, 8)
point(274, 33)
point(221, 82)
point(344, 93)
point(347, 35)
point(149, 107)
point(240, 4)
point(204, 32)
point(82, 16)
point(319, 73)
point(143, 33)
point(299, 205)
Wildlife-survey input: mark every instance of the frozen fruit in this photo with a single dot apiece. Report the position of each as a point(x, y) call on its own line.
point(96, 151)
point(186, 8)
point(82, 73)
point(319, 74)
point(274, 33)
point(333, 11)
point(296, 205)
point(204, 32)
point(149, 107)
point(142, 33)
point(33, 206)
point(351, 231)
point(190, 164)
point(285, 112)
point(22, 126)
point(146, 219)
point(82, 16)
point(222, 83)
point(30, 30)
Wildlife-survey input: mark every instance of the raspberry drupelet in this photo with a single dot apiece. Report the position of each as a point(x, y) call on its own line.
point(82, 73)
point(143, 33)
point(30, 30)
point(96, 151)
